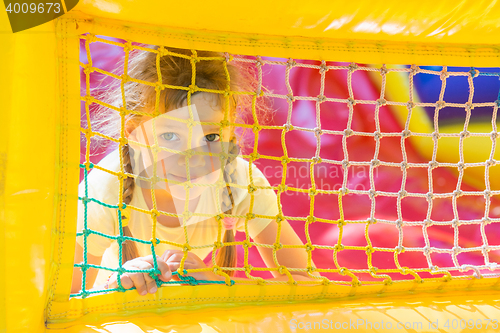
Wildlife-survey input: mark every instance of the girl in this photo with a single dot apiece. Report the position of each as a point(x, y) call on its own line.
point(178, 139)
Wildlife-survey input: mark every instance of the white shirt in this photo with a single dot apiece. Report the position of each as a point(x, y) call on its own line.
point(201, 232)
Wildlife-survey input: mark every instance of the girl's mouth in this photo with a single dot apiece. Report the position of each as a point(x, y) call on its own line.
point(194, 179)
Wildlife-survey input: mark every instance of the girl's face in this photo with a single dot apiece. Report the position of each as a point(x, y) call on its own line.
point(171, 131)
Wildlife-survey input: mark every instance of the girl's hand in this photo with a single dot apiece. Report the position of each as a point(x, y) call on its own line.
point(173, 259)
point(141, 281)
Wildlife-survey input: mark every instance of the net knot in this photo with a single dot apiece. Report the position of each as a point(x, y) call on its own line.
point(469, 106)
point(312, 191)
point(311, 219)
point(497, 102)
point(155, 241)
point(375, 163)
point(187, 248)
point(353, 66)
point(377, 135)
point(154, 213)
point(414, 69)
point(428, 222)
point(288, 127)
point(485, 220)
point(373, 270)
point(372, 193)
point(430, 196)
point(285, 160)
point(254, 156)
point(290, 62)
point(473, 72)
point(404, 165)
point(251, 188)
point(381, 102)
point(258, 61)
point(316, 160)
point(88, 99)
point(487, 194)
point(343, 190)
point(277, 246)
point(279, 218)
point(348, 132)
point(464, 134)
point(404, 270)
point(256, 128)
point(225, 123)
point(388, 281)
point(282, 269)
point(427, 251)
point(86, 232)
point(399, 224)
point(399, 249)
point(127, 47)
point(290, 98)
point(85, 200)
point(455, 223)
point(248, 268)
point(309, 247)
point(247, 244)
point(228, 57)
point(351, 102)
point(402, 194)
point(88, 69)
point(494, 135)
point(323, 67)
point(321, 98)
point(383, 70)
point(405, 133)
point(369, 250)
point(318, 131)
point(91, 38)
point(456, 250)
point(218, 245)
point(457, 193)
point(440, 104)
point(433, 164)
point(338, 247)
point(371, 220)
point(282, 188)
point(410, 105)
point(444, 74)
point(436, 135)
point(250, 216)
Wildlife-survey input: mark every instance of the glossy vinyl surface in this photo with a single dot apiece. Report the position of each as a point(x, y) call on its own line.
point(401, 313)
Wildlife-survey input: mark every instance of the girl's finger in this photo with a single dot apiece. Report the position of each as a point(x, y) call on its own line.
point(139, 283)
point(167, 254)
point(166, 274)
point(124, 279)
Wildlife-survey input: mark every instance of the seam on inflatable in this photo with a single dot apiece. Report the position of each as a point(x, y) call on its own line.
point(62, 158)
point(468, 51)
point(132, 305)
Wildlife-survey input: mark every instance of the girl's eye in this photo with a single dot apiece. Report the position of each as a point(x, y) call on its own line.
point(212, 137)
point(169, 136)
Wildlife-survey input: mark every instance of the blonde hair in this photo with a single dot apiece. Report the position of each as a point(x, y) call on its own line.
point(176, 70)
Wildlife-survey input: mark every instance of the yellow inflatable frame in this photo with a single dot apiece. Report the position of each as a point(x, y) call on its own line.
point(39, 158)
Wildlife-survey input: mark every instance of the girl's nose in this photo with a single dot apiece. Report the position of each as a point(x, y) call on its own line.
point(194, 158)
